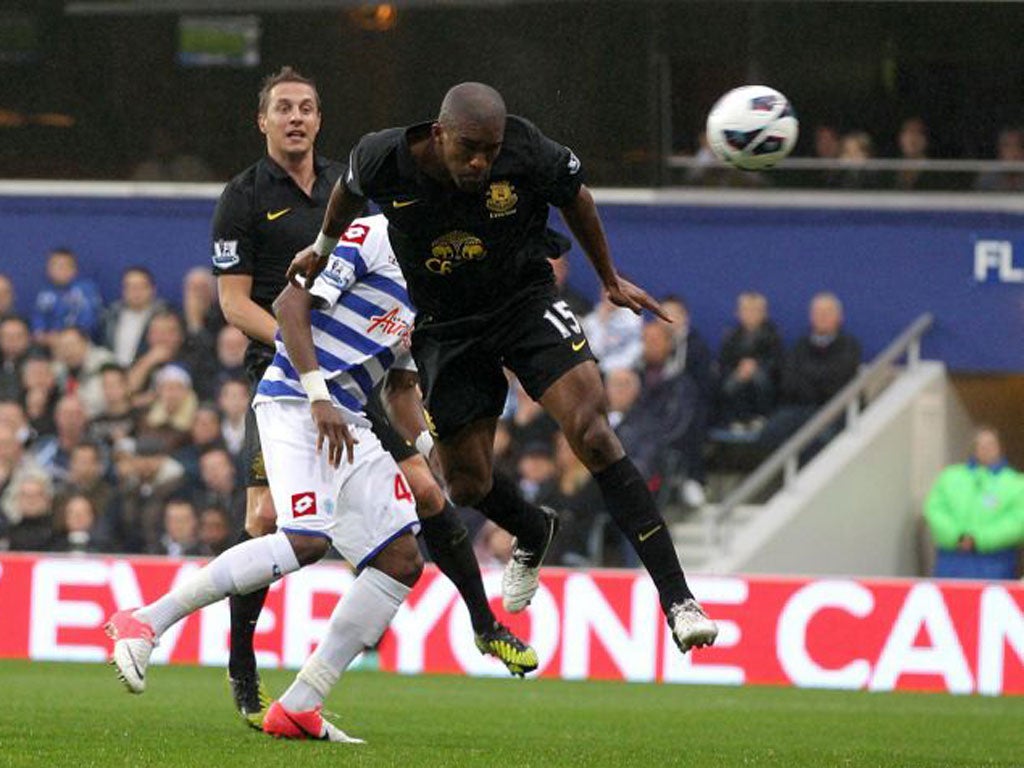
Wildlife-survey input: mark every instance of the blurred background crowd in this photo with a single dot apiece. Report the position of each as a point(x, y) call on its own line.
point(121, 422)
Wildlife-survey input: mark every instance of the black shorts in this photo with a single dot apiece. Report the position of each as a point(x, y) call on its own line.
point(257, 360)
point(461, 362)
point(392, 442)
point(252, 453)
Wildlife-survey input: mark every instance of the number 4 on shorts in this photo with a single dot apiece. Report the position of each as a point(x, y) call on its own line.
point(402, 492)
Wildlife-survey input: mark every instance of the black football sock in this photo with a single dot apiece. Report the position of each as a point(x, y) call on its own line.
point(631, 506)
point(448, 543)
point(245, 612)
point(506, 506)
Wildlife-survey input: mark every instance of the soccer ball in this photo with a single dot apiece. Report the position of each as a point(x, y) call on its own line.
point(752, 127)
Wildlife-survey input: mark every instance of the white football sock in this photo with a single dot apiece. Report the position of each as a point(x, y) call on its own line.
point(237, 571)
point(358, 621)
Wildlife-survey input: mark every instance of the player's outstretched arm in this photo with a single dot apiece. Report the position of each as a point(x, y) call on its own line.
point(292, 308)
point(343, 207)
point(583, 219)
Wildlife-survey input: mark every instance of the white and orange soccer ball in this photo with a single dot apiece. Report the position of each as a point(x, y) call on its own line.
point(752, 127)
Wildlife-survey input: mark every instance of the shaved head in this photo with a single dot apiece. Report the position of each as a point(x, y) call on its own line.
point(468, 135)
point(472, 103)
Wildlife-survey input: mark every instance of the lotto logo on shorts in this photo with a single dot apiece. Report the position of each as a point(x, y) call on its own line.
point(303, 504)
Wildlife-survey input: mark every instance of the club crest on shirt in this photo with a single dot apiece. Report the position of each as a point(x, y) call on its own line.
point(501, 199)
point(454, 249)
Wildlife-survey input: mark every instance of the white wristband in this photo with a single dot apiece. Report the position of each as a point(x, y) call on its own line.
point(315, 385)
point(424, 443)
point(324, 245)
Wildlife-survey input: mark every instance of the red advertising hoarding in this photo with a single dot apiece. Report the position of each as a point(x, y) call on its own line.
point(961, 637)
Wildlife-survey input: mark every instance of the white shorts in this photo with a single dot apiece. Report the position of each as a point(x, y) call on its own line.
point(360, 507)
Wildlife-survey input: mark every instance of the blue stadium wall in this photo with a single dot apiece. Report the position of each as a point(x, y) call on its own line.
point(888, 266)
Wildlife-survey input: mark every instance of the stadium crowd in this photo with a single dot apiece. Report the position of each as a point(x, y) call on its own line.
point(851, 150)
point(121, 425)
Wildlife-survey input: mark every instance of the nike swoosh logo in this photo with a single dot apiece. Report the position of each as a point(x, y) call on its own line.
point(403, 203)
point(645, 536)
point(271, 215)
point(577, 347)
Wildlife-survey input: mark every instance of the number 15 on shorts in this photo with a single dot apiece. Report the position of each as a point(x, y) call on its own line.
point(566, 324)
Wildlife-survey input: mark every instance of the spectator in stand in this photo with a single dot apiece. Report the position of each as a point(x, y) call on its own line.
point(78, 530)
point(13, 415)
point(85, 477)
point(912, 141)
point(691, 352)
point(77, 365)
point(53, 453)
point(170, 160)
point(856, 149)
point(579, 502)
point(218, 486)
point(614, 334)
point(975, 512)
point(537, 472)
point(205, 435)
point(181, 529)
point(216, 532)
point(750, 362)
point(1009, 149)
point(816, 369)
point(15, 461)
point(167, 343)
point(15, 343)
point(693, 356)
point(147, 477)
point(530, 423)
point(199, 303)
point(577, 302)
point(7, 302)
point(126, 320)
point(622, 388)
point(118, 419)
point(231, 346)
point(28, 506)
point(655, 428)
point(233, 402)
point(170, 417)
point(492, 546)
point(826, 147)
point(504, 450)
point(68, 301)
point(826, 142)
point(39, 392)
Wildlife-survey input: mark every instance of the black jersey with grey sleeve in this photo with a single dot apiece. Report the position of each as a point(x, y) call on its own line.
point(467, 253)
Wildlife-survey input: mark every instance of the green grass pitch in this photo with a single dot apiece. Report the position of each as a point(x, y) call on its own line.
point(78, 715)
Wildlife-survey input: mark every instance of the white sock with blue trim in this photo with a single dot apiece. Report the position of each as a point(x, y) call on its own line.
point(358, 621)
point(237, 571)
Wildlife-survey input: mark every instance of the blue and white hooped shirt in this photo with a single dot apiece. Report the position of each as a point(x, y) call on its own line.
point(360, 328)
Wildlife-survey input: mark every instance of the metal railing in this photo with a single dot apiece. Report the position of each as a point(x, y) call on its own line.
point(876, 173)
point(936, 165)
point(786, 459)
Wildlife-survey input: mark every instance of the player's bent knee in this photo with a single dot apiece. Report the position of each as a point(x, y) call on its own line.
point(596, 443)
point(308, 549)
point(401, 560)
point(468, 489)
point(260, 515)
point(429, 497)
